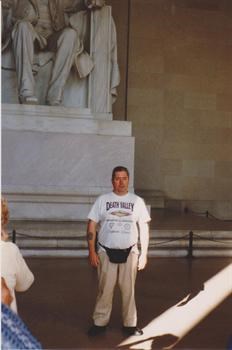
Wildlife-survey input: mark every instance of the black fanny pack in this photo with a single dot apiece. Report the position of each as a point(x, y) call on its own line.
point(117, 256)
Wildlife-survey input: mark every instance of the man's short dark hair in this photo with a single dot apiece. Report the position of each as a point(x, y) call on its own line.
point(119, 168)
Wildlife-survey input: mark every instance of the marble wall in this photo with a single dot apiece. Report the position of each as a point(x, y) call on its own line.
point(57, 160)
point(179, 99)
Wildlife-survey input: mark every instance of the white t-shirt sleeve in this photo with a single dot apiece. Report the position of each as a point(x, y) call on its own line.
point(94, 213)
point(143, 212)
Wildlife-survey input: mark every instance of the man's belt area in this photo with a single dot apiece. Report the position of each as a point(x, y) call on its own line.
point(117, 256)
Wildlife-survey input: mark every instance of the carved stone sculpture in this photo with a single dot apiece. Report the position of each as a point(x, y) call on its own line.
point(51, 34)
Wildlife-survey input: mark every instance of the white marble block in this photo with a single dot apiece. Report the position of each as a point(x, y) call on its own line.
point(54, 165)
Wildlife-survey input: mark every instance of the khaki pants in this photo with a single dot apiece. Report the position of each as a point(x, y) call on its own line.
point(109, 274)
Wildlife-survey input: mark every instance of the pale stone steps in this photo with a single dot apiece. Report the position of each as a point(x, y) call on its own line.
point(153, 198)
point(31, 253)
point(71, 242)
point(48, 228)
point(68, 229)
point(80, 242)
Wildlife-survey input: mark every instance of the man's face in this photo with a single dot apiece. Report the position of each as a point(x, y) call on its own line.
point(120, 183)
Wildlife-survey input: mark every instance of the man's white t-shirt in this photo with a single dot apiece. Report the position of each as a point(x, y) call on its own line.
point(118, 217)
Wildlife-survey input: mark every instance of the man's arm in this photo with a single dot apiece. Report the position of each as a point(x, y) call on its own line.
point(91, 239)
point(144, 241)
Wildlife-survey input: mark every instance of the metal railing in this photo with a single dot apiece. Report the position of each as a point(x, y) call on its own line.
point(190, 238)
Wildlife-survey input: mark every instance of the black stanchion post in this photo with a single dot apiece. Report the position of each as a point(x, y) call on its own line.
point(13, 236)
point(190, 247)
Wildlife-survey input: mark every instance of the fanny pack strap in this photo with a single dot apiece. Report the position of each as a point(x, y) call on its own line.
point(107, 248)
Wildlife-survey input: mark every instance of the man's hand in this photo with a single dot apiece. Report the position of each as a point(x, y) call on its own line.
point(93, 259)
point(142, 262)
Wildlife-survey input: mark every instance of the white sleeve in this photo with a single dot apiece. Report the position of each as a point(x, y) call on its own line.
point(144, 237)
point(94, 213)
point(143, 213)
point(24, 276)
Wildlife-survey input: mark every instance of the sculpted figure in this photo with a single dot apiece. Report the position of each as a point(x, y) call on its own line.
point(94, 4)
point(44, 25)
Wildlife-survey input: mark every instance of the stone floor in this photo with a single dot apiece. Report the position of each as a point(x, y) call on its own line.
point(58, 306)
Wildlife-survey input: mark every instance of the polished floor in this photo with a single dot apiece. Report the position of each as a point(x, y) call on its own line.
point(58, 306)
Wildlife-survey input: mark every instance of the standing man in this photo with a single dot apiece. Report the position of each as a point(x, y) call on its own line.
point(121, 219)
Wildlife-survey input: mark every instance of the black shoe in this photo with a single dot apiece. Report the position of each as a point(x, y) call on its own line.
point(96, 330)
point(132, 330)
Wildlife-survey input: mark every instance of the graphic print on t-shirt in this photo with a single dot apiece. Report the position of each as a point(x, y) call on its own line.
point(120, 213)
point(121, 205)
point(121, 223)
